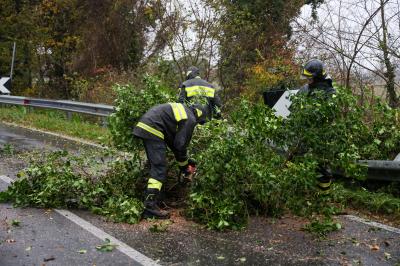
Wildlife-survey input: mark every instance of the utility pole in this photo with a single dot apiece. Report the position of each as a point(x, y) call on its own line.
point(12, 61)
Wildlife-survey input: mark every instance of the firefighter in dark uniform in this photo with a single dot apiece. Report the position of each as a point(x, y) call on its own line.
point(318, 80)
point(196, 90)
point(171, 125)
point(314, 71)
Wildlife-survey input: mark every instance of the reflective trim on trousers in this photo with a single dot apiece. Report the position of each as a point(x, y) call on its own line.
point(154, 183)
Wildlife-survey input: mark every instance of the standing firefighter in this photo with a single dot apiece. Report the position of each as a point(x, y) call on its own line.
point(171, 125)
point(196, 90)
point(318, 80)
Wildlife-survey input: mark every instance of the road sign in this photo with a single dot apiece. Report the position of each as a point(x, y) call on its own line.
point(5, 84)
point(282, 105)
point(279, 100)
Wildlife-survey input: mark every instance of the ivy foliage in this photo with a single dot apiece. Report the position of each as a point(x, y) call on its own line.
point(243, 174)
point(251, 163)
point(259, 163)
point(328, 131)
point(131, 103)
point(62, 180)
point(382, 141)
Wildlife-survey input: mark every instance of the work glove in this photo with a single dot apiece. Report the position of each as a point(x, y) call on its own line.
point(188, 171)
point(192, 162)
point(218, 116)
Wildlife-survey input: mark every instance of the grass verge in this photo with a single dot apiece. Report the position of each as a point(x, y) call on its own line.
point(79, 126)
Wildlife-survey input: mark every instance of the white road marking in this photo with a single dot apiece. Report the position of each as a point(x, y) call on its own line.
point(124, 248)
point(367, 222)
point(6, 179)
point(97, 232)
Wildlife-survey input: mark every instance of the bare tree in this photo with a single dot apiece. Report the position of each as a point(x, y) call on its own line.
point(389, 74)
point(192, 39)
point(356, 33)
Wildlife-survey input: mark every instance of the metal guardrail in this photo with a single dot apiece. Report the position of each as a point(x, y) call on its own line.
point(68, 106)
point(382, 170)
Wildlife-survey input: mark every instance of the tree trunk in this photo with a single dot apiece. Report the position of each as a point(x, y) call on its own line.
point(389, 74)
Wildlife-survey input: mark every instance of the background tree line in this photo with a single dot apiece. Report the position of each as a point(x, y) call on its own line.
point(63, 41)
point(77, 49)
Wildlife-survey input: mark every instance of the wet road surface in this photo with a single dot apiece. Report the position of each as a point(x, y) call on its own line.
point(24, 139)
point(44, 237)
point(263, 242)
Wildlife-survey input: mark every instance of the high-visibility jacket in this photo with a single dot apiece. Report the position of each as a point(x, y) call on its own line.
point(199, 91)
point(171, 122)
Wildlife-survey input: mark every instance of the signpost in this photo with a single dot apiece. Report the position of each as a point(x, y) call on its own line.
point(12, 61)
point(5, 83)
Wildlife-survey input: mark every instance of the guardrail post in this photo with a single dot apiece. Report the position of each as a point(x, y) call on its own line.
point(69, 116)
point(104, 121)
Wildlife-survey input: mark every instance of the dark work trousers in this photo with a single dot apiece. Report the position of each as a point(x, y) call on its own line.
point(156, 154)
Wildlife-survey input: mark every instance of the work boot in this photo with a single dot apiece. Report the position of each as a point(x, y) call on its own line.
point(324, 184)
point(151, 208)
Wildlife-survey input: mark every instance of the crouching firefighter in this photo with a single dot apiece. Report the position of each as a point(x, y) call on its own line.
point(171, 125)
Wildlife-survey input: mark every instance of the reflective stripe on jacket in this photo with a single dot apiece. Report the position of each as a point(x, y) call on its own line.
point(171, 122)
point(199, 91)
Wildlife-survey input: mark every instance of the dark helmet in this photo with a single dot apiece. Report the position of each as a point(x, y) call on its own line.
point(314, 69)
point(192, 72)
point(202, 113)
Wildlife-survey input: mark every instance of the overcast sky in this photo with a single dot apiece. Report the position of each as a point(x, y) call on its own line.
point(339, 25)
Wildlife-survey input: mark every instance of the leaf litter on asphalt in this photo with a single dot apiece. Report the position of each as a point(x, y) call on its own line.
point(15, 222)
point(107, 246)
point(82, 251)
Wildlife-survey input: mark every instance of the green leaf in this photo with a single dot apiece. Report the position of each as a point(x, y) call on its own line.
point(377, 141)
point(15, 222)
point(82, 251)
point(107, 247)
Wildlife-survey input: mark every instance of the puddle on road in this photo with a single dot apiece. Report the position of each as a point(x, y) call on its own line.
point(25, 139)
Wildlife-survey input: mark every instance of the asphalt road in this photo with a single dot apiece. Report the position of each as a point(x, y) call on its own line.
point(45, 237)
point(51, 237)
